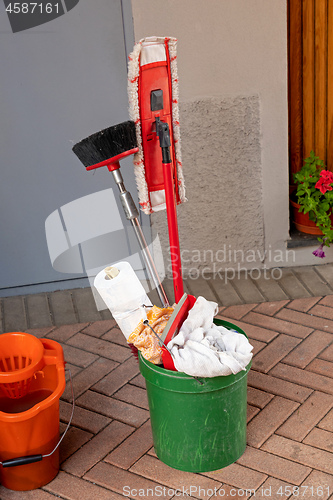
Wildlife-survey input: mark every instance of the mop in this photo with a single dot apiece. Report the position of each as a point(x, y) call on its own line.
point(152, 93)
point(153, 137)
point(153, 105)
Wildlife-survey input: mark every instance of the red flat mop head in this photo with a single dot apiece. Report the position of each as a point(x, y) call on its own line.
point(153, 94)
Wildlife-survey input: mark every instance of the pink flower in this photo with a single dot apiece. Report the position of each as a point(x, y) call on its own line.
point(325, 181)
point(320, 252)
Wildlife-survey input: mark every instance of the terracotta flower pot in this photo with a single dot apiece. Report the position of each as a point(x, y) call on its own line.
point(302, 221)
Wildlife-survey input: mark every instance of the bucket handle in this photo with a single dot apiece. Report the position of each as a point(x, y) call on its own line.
point(29, 459)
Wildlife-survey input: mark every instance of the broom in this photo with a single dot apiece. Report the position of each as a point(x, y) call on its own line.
point(107, 148)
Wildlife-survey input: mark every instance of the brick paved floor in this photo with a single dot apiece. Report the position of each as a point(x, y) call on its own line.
point(109, 449)
point(20, 312)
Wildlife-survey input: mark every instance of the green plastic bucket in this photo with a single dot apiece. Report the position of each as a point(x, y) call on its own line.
point(197, 427)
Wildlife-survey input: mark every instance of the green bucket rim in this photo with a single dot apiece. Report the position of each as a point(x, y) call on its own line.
point(181, 382)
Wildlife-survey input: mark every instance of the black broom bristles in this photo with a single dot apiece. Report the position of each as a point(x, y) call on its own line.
point(106, 144)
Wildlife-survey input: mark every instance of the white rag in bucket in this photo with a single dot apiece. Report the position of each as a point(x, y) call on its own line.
point(203, 349)
point(124, 296)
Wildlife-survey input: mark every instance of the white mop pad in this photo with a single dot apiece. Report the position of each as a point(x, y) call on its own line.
point(203, 349)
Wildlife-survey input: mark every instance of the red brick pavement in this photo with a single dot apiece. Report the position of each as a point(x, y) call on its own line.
point(108, 451)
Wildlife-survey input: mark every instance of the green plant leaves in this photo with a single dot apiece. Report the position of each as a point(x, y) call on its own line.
point(311, 200)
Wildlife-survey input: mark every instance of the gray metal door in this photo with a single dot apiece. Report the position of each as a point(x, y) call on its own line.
point(60, 82)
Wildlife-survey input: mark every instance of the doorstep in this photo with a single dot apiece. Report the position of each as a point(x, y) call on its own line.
point(298, 239)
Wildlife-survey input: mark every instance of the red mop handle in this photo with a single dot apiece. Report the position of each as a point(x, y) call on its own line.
point(163, 132)
point(173, 232)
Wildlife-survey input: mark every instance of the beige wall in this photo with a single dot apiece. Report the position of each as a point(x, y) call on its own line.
point(232, 64)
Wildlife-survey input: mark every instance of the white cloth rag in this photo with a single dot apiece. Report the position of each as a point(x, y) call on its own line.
point(203, 349)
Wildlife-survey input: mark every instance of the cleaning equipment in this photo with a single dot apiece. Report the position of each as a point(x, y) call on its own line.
point(153, 102)
point(197, 425)
point(107, 148)
point(29, 417)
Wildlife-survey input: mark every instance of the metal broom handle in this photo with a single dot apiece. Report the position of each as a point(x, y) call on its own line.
point(132, 214)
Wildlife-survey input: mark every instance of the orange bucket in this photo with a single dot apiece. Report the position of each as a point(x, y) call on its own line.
point(29, 423)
